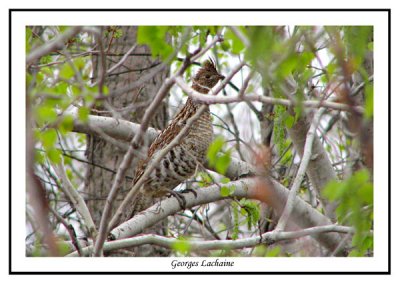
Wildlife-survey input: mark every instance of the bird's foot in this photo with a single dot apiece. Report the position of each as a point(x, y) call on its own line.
point(187, 190)
point(181, 199)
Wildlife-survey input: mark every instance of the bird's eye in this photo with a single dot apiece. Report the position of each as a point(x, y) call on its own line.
point(208, 76)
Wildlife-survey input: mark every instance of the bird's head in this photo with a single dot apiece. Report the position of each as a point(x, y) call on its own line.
point(207, 77)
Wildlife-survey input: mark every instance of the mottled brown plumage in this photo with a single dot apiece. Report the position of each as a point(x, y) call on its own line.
point(181, 162)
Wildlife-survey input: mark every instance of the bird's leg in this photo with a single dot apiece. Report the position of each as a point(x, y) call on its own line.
point(179, 197)
point(187, 190)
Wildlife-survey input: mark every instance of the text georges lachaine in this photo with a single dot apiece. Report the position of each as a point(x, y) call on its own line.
point(176, 264)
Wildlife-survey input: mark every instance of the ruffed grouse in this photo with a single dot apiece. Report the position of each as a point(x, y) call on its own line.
point(181, 162)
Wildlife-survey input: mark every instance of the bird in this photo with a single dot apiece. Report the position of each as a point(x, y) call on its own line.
point(181, 162)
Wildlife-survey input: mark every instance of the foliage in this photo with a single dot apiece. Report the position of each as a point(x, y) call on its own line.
point(220, 162)
point(181, 246)
point(355, 198)
point(154, 37)
point(248, 209)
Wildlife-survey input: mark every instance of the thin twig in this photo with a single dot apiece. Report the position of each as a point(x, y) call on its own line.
point(208, 99)
point(57, 43)
point(70, 229)
point(76, 199)
point(123, 59)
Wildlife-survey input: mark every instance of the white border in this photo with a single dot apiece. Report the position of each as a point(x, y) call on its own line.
point(378, 20)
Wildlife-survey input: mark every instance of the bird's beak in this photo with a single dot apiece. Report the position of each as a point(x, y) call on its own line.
point(221, 77)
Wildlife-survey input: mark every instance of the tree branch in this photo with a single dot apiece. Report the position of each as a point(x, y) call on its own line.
point(270, 192)
point(319, 170)
point(76, 199)
point(57, 43)
point(209, 99)
point(266, 238)
point(301, 172)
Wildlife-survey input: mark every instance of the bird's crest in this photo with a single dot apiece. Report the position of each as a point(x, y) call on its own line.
point(209, 65)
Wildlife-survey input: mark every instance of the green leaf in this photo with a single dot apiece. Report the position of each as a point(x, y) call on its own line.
point(225, 191)
point(279, 129)
point(357, 39)
point(45, 59)
point(214, 148)
point(205, 179)
point(76, 90)
point(79, 63)
point(289, 121)
point(236, 43)
point(61, 88)
point(370, 46)
point(83, 114)
point(67, 124)
point(225, 46)
point(155, 38)
point(235, 213)
point(48, 138)
point(287, 66)
point(222, 163)
point(182, 246)
point(69, 173)
point(63, 248)
point(45, 114)
point(54, 155)
point(39, 157)
point(252, 211)
point(66, 72)
point(67, 161)
point(224, 180)
point(273, 252)
point(369, 101)
point(117, 33)
point(355, 207)
point(28, 35)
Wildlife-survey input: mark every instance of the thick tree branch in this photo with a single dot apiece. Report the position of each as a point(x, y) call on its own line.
point(118, 129)
point(266, 238)
point(270, 192)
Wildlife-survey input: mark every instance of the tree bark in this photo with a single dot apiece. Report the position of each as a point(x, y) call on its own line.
point(128, 106)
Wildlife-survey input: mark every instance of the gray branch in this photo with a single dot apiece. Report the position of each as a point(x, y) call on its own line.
point(57, 43)
point(266, 238)
point(303, 214)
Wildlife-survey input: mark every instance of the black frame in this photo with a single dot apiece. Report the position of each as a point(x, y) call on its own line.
point(388, 11)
